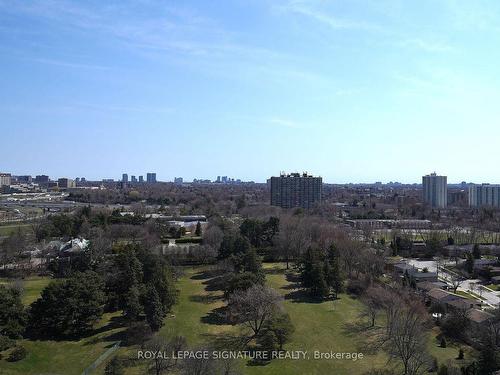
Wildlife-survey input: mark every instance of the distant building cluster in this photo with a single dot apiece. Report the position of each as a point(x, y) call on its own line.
point(150, 178)
point(484, 195)
point(25, 183)
point(296, 190)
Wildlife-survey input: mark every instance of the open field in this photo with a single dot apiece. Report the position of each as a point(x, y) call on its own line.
point(326, 326)
point(6, 230)
point(64, 357)
point(32, 287)
point(59, 357)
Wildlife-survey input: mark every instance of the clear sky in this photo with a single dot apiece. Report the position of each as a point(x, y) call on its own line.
point(354, 91)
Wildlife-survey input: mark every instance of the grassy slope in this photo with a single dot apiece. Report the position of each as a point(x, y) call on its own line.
point(32, 287)
point(58, 357)
point(319, 326)
point(62, 357)
point(6, 230)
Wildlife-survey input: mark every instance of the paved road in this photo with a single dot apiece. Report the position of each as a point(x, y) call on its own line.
point(467, 285)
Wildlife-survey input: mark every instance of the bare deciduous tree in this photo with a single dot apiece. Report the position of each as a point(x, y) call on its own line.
point(456, 281)
point(255, 306)
point(164, 363)
point(213, 236)
point(407, 342)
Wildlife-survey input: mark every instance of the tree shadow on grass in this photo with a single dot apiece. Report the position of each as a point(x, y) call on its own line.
point(292, 286)
point(217, 316)
point(292, 277)
point(207, 274)
point(369, 340)
point(113, 323)
point(205, 298)
point(301, 296)
point(226, 341)
point(274, 271)
point(215, 284)
point(113, 337)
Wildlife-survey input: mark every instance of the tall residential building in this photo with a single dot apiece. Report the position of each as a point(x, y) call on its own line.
point(124, 177)
point(484, 195)
point(66, 183)
point(296, 190)
point(26, 179)
point(435, 190)
point(133, 179)
point(42, 179)
point(178, 180)
point(151, 177)
point(141, 179)
point(5, 179)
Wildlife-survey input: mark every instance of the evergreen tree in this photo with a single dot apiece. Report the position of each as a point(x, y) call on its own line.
point(282, 327)
point(68, 308)
point(157, 272)
point(319, 288)
point(306, 267)
point(12, 314)
point(334, 277)
point(198, 231)
point(153, 309)
point(252, 263)
point(469, 263)
point(476, 251)
point(488, 361)
point(133, 307)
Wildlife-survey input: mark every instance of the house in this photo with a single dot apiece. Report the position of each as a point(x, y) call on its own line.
point(478, 317)
point(424, 276)
point(75, 245)
point(426, 286)
point(462, 304)
point(483, 264)
point(441, 296)
point(403, 268)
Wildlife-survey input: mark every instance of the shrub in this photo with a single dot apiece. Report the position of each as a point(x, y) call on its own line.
point(114, 367)
point(17, 354)
point(443, 370)
point(138, 333)
point(356, 287)
point(5, 343)
point(443, 342)
point(188, 240)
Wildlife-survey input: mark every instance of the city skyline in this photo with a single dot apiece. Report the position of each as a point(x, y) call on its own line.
point(119, 177)
point(354, 93)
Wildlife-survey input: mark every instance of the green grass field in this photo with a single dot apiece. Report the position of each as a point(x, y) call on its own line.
point(58, 357)
point(63, 357)
point(32, 287)
point(327, 326)
point(6, 230)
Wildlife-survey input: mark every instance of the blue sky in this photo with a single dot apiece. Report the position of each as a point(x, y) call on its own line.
point(359, 91)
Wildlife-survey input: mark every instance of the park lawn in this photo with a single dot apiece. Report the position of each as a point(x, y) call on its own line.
point(32, 287)
point(6, 230)
point(324, 327)
point(450, 353)
point(318, 326)
point(64, 357)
